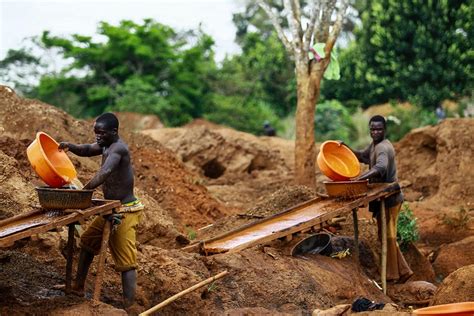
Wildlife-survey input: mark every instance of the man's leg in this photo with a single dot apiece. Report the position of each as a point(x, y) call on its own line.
point(124, 252)
point(129, 286)
point(85, 260)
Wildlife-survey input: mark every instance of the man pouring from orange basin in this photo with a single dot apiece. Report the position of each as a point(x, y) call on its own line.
point(380, 156)
point(116, 177)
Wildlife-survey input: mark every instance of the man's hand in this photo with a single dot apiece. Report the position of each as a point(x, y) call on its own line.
point(116, 220)
point(63, 146)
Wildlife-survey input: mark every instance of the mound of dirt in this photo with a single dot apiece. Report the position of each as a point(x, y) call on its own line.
point(457, 287)
point(158, 173)
point(284, 198)
point(436, 160)
point(16, 194)
point(135, 122)
point(221, 153)
point(454, 256)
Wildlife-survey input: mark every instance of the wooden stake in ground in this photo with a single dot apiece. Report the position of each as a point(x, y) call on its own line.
point(176, 296)
point(101, 262)
point(383, 268)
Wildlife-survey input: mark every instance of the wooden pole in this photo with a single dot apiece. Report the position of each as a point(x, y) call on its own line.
point(356, 233)
point(69, 254)
point(101, 262)
point(178, 295)
point(383, 269)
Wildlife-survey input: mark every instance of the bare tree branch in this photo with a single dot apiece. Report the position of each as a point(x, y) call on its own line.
point(336, 29)
point(297, 15)
point(281, 34)
point(294, 27)
point(322, 29)
point(312, 22)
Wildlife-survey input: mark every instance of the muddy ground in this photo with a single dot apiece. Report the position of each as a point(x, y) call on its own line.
point(203, 174)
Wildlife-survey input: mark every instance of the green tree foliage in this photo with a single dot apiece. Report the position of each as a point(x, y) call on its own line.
point(241, 114)
point(402, 121)
point(261, 73)
point(332, 121)
point(147, 68)
point(421, 51)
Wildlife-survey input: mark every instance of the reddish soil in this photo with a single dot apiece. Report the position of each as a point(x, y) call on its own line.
point(204, 174)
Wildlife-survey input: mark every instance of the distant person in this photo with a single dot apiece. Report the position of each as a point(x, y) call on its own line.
point(268, 130)
point(116, 177)
point(380, 156)
point(440, 113)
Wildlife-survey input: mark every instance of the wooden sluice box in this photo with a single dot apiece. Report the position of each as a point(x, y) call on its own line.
point(303, 217)
point(42, 220)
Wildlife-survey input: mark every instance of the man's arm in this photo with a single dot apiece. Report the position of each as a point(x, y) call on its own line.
point(109, 165)
point(85, 150)
point(362, 155)
point(377, 170)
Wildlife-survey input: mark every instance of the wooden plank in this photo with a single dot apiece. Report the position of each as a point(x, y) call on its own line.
point(356, 234)
point(375, 192)
point(69, 258)
point(101, 262)
point(383, 269)
point(103, 208)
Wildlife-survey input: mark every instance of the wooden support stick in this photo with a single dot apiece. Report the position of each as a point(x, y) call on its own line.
point(383, 269)
point(356, 234)
point(176, 296)
point(101, 262)
point(70, 253)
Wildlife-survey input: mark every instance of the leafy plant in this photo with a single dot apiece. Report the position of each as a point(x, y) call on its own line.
point(407, 228)
point(190, 232)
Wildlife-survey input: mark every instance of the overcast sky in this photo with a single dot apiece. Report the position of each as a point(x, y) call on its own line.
point(25, 18)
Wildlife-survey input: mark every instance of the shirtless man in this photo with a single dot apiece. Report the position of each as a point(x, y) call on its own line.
point(116, 177)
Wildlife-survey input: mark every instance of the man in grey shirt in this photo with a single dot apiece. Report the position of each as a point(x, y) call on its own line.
point(380, 156)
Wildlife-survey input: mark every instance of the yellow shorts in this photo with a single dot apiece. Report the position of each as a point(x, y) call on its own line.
point(122, 240)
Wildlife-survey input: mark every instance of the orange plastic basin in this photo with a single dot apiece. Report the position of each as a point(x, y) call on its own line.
point(337, 162)
point(53, 166)
point(455, 309)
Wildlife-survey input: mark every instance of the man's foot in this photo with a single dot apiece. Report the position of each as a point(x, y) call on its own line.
point(74, 289)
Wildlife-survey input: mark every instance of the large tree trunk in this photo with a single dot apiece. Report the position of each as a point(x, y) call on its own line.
point(305, 152)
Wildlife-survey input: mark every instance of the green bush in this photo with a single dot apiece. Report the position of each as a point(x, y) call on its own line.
point(402, 121)
point(332, 121)
point(407, 228)
point(243, 115)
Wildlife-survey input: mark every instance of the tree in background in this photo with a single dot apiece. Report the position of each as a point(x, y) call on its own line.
point(421, 51)
point(145, 68)
point(321, 28)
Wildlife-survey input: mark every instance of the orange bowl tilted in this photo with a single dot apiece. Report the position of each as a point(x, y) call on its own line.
point(337, 162)
point(454, 309)
point(52, 165)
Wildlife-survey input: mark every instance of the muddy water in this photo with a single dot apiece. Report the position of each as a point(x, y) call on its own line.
point(37, 219)
point(269, 227)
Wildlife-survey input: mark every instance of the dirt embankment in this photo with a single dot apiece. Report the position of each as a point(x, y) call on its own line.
point(437, 161)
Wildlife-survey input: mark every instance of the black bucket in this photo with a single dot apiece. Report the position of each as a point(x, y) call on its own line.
point(315, 244)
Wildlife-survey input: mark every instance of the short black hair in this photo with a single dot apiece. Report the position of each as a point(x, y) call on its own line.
point(378, 118)
point(109, 120)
